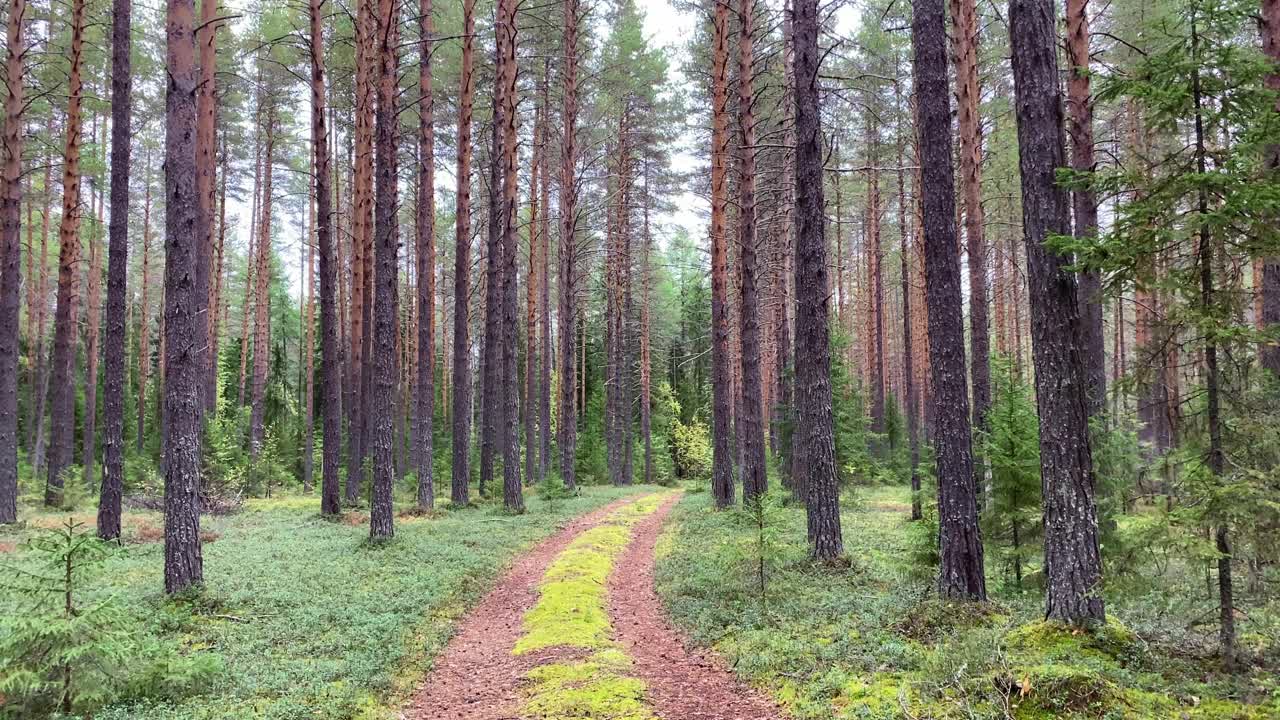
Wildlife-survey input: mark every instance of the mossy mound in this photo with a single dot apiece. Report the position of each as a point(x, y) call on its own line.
point(1059, 690)
point(931, 620)
point(1109, 641)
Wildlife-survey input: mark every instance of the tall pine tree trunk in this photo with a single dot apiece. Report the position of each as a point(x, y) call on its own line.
point(183, 563)
point(10, 251)
point(1072, 561)
point(461, 480)
point(569, 247)
point(117, 275)
point(964, 16)
point(362, 208)
point(262, 293)
point(426, 258)
point(144, 318)
point(722, 470)
point(814, 439)
point(386, 302)
point(330, 351)
point(751, 424)
point(63, 403)
point(961, 573)
point(1085, 201)
point(206, 162)
point(512, 496)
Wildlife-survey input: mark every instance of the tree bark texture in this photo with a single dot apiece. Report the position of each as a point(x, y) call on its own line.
point(814, 439)
point(117, 275)
point(183, 562)
point(1072, 561)
point(461, 490)
point(961, 572)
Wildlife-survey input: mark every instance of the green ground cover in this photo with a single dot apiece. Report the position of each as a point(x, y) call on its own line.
point(302, 618)
point(872, 641)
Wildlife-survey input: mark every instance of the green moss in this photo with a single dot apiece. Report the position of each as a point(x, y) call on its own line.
point(571, 606)
point(1108, 641)
point(880, 696)
point(1056, 690)
point(593, 689)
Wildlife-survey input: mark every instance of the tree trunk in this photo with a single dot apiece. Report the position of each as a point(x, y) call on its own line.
point(117, 275)
point(183, 564)
point(1072, 561)
point(10, 260)
point(206, 113)
point(544, 286)
point(144, 321)
point(491, 356)
point(722, 471)
point(386, 302)
point(461, 490)
point(426, 258)
point(531, 356)
point(961, 570)
point(93, 326)
point(780, 413)
point(964, 16)
point(1085, 201)
point(568, 247)
point(262, 293)
point(330, 352)
point(646, 354)
point(307, 361)
point(512, 496)
point(362, 208)
point(63, 404)
point(751, 424)
point(814, 439)
point(908, 354)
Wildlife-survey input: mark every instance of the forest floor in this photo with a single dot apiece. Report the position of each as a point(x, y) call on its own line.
point(870, 640)
point(300, 617)
point(576, 630)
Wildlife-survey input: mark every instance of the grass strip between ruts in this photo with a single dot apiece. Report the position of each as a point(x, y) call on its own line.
point(572, 612)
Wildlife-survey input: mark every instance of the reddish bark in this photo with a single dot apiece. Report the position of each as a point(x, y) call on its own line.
point(10, 259)
point(63, 402)
point(722, 471)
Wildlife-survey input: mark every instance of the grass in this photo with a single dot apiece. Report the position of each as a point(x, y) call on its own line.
point(873, 642)
point(307, 620)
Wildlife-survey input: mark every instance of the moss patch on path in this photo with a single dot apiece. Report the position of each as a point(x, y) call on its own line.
point(571, 612)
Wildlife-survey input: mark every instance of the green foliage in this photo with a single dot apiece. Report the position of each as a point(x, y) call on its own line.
point(689, 443)
point(1011, 449)
point(63, 653)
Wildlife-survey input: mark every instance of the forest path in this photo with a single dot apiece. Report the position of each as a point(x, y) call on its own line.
point(576, 631)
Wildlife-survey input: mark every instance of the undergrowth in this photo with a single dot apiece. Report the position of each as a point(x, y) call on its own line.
point(874, 642)
point(302, 620)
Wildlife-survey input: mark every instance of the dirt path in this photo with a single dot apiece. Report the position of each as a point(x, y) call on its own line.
point(684, 683)
point(477, 677)
point(480, 675)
